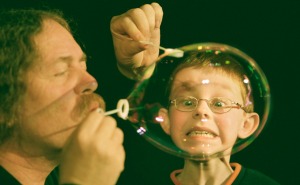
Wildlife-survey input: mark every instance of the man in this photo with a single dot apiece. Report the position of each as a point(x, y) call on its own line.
point(50, 115)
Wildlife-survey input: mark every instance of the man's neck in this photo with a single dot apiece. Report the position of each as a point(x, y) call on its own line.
point(27, 169)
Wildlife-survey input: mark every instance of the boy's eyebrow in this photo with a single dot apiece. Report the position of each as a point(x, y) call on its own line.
point(178, 85)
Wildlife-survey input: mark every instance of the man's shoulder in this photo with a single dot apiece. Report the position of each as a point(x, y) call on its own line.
point(7, 178)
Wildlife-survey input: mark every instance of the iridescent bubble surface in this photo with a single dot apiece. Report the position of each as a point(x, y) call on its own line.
point(229, 107)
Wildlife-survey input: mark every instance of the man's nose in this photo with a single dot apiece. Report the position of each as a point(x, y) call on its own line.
point(86, 84)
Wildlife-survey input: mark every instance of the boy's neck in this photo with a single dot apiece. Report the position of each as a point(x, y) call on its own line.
point(213, 171)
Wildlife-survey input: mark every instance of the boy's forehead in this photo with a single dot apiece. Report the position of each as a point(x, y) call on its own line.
point(190, 77)
point(190, 84)
point(193, 80)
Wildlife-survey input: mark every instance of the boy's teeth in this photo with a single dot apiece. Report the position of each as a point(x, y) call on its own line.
point(201, 133)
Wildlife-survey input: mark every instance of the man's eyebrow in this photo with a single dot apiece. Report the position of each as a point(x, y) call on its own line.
point(84, 57)
point(69, 58)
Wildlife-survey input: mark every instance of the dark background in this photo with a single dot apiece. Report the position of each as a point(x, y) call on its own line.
point(267, 31)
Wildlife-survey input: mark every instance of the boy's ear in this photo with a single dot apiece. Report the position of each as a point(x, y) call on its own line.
point(164, 123)
point(249, 126)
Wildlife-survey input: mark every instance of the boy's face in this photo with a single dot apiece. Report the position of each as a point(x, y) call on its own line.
point(202, 131)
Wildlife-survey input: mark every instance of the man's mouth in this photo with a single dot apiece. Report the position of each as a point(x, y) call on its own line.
point(100, 101)
point(95, 101)
point(88, 103)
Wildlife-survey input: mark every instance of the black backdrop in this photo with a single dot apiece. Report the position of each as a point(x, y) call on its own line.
point(266, 30)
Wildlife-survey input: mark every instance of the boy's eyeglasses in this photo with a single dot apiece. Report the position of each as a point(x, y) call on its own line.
point(217, 104)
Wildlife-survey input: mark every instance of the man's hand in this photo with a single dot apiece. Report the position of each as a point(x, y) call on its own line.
point(94, 154)
point(132, 32)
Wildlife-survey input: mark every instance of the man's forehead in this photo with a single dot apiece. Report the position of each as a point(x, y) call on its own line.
point(56, 44)
point(53, 35)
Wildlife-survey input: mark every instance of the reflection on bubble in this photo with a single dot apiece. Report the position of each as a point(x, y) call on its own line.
point(235, 110)
point(141, 130)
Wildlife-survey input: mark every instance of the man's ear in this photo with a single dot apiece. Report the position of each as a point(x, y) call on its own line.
point(164, 123)
point(249, 126)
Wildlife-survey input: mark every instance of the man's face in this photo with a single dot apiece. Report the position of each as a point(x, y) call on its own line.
point(203, 131)
point(57, 87)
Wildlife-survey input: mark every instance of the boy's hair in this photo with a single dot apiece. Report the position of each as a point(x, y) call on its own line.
point(215, 61)
point(17, 54)
point(154, 92)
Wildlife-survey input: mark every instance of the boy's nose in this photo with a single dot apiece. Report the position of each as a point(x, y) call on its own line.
point(201, 110)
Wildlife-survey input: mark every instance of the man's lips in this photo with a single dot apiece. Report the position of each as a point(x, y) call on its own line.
point(100, 101)
point(94, 106)
point(96, 102)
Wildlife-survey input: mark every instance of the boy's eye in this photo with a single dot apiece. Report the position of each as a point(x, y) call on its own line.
point(218, 103)
point(187, 103)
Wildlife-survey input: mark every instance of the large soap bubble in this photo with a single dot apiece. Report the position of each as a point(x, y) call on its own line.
point(228, 83)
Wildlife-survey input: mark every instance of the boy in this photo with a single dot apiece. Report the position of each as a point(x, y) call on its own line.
point(210, 109)
point(209, 113)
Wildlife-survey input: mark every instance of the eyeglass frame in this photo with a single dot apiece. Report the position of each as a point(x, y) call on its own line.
point(237, 105)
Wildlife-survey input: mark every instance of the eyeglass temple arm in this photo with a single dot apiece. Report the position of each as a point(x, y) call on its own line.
point(238, 106)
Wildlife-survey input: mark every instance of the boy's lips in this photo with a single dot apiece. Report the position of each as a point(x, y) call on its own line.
point(201, 131)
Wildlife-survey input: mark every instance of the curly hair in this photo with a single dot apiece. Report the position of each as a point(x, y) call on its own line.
point(17, 54)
